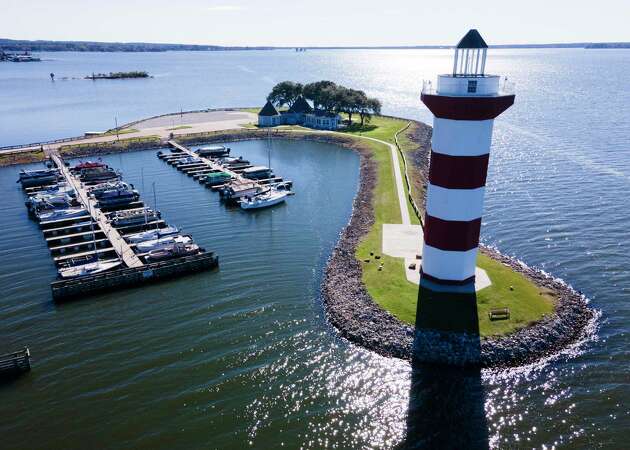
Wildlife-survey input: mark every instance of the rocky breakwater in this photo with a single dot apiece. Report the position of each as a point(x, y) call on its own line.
point(359, 319)
point(569, 323)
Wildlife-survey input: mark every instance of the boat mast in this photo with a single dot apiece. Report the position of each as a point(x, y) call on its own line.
point(155, 206)
point(93, 233)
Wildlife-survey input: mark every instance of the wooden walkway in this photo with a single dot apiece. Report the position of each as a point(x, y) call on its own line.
point(238, 179)
point(125, 253)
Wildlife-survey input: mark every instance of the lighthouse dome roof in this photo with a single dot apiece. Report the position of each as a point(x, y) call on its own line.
point(472, 39)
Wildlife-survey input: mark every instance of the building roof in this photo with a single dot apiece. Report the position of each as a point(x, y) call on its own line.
point(268, 110)
point(472, 39)
point(300, 106)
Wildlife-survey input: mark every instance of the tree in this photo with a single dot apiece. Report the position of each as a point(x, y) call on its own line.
point(356, 100)
point(369, 106)
point(285, 93)
point(318, 92)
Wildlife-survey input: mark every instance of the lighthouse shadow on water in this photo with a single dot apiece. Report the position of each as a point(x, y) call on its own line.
point(446, 403)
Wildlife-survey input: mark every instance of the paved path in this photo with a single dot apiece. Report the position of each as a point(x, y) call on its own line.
point(163, 127)
point(400, 188)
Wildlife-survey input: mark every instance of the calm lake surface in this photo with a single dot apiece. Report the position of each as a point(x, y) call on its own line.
point(243, 356)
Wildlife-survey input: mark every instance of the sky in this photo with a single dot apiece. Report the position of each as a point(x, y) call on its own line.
point(316, 22)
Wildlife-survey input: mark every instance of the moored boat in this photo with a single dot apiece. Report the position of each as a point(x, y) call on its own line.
point(40, 177)
point(60, 214)
point(39, 202)
point(152, 234)
point(264, 200)
point(217, 178)
point(91, 268)
point(134, 217)
point(163, 242)
point(187, 160)
point(117, 197)
point(234, 191)
point(213, 151)
point(173, 251)
point(98, 189)
point(98, 174)
point(257, 172)
point(88, 165)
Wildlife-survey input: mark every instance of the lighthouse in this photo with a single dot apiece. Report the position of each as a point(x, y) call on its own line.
point(464, 105)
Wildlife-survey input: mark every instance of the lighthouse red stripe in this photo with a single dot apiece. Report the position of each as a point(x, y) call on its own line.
point(446, 282)
point(467, 108)
point(451, 235)
point(458, 172)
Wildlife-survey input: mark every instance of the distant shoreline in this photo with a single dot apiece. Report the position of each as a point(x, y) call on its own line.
point(11, 45)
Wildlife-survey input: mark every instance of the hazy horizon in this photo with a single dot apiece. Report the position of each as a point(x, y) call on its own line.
point(327, 23)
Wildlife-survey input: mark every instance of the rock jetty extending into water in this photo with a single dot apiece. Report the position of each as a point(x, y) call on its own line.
point(360, 320)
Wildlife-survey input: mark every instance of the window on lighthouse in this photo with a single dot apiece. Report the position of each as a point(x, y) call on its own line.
point(472, 86)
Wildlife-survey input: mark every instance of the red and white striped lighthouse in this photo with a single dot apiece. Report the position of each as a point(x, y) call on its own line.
point(465, 104)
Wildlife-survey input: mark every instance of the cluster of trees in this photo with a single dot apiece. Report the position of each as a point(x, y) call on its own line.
point(11, 45)
point(117, 75)
point(327, 96)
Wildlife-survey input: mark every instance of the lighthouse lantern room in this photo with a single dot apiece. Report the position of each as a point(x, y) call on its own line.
point(464, 107)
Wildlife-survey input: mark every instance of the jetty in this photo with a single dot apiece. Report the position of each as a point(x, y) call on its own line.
point(120, 246)
point(202, 167)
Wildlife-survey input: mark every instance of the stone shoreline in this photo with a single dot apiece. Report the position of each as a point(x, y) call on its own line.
point(351, 310)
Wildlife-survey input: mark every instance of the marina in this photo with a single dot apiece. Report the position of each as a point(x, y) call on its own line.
point(85, 213)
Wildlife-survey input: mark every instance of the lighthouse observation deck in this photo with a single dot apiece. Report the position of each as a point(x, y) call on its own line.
point(469, 86)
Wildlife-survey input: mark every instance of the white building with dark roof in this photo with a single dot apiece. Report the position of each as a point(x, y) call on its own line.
point(300, 113)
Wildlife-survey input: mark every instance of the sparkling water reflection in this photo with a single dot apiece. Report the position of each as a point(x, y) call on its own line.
point(245, 355)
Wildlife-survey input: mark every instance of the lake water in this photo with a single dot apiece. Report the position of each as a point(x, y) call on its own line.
point(244, 355)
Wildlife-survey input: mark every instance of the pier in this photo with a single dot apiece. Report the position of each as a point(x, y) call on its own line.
point(205, 166)
point(120, 246)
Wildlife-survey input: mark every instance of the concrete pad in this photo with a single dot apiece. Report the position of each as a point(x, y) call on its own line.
point(402, 241)
point(405, 241)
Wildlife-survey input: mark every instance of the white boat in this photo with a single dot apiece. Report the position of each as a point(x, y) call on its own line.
point(213, 151)
point(47, 201)
point(89, 268)
point(257, 172)
point(161, 243)
point(152, 234)
point(134, 217)
point(264, 200)
point(98, 189)
point(173, 251)
point(59, 214)
point(187, 160)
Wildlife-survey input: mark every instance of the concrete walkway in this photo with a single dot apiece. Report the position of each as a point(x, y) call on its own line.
point(162, 127)
point(400, 188)
point(406, 240)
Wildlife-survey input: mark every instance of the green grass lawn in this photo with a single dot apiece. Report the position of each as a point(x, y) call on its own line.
point(389, 286)
point(383, 128)
point(180, 127)
point(122, 131)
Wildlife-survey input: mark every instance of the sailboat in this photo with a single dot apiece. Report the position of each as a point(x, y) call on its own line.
point(91, 267)
point(265, 199)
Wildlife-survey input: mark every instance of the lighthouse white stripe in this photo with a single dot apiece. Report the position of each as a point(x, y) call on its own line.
point(455, 204)
point(448, 265)
point(461, 137)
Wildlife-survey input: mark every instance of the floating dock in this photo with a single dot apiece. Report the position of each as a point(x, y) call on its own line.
point(200, 169)
point(16, 363)
point(92, 236)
